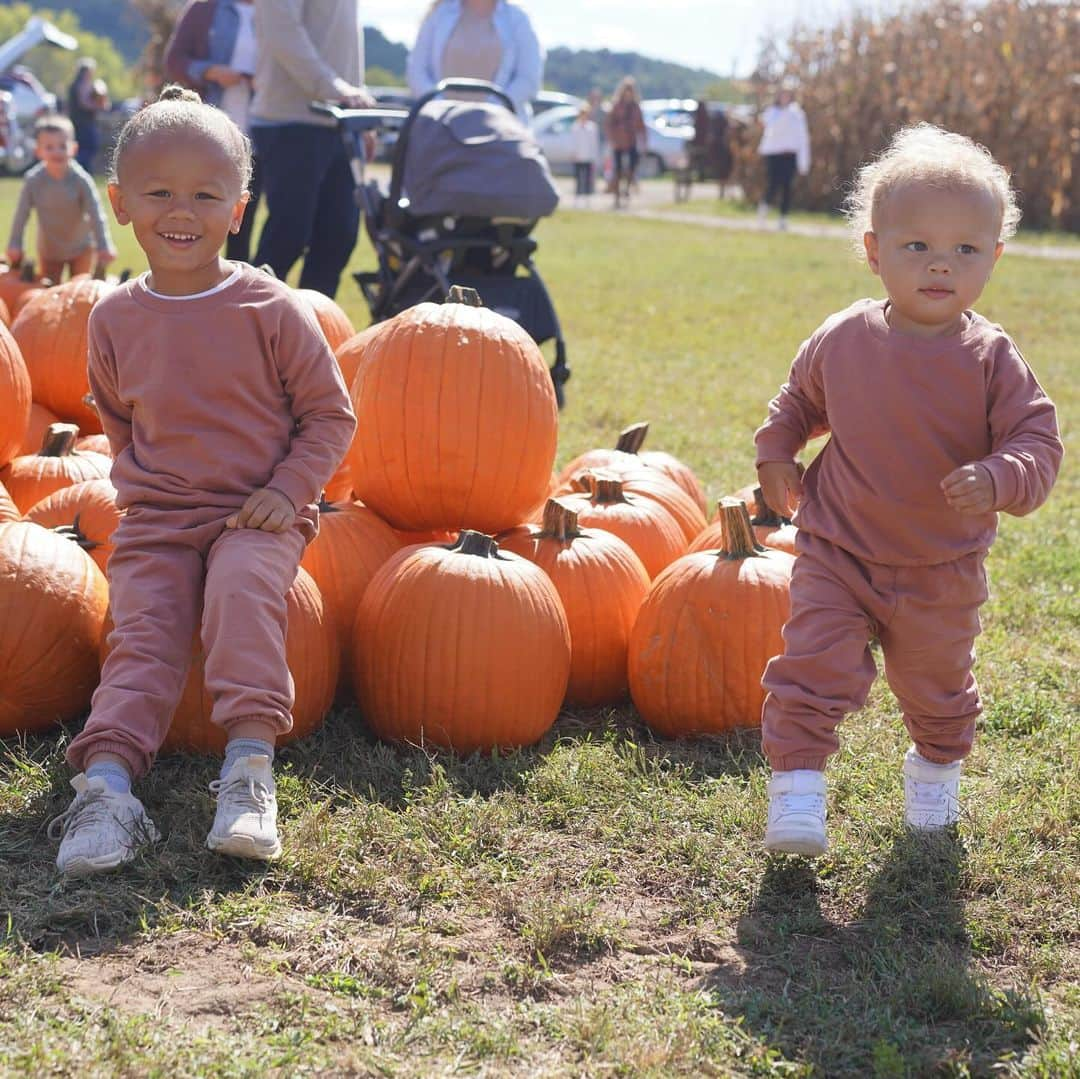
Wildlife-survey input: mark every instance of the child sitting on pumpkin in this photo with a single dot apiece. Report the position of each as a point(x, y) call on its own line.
point(226, 415)
point(936, 425)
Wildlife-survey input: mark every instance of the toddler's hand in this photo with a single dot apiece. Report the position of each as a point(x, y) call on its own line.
point(969, 489)
point(781, 484)
point(265, 509)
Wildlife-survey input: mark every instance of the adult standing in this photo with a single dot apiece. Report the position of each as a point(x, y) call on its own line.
point(785, 149)
point(626, 134)
point(213, 50)
point(309, 50)
point(87, 96)
point(478, 39)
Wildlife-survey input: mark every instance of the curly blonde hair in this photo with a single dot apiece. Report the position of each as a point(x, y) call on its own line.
point(179, 109)
point(930, 154)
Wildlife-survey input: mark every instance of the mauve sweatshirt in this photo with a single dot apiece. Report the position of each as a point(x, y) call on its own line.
point(206, 400)
point(902, 412)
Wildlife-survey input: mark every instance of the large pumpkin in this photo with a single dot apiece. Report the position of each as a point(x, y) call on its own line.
point(86, 513)
point(456, 420)
point(17, 285)
point(14, 397)
point(709, 625)
point(465, 647)
point(41, 419)
point(52, 603)
point(332, 320)
point(601, 583)
point(8, 510)
point(311, 652)
point(57, 464)
point(51, 331)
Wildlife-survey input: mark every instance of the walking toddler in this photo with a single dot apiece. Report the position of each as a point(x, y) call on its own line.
point(585, 150)
point(72, 231)
point(936, 425)
point(226, 414)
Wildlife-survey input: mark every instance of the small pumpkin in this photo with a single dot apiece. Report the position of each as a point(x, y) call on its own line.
point(95, 444)
point(40, 420)
point(19, 284)
point(465, 647)
point(332, 320)
point(709, 625)
point(15, 394)
point(57, 464)
point(8, 510)
point(85, 513)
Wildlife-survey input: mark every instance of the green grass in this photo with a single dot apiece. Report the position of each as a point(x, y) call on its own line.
point(600, 904)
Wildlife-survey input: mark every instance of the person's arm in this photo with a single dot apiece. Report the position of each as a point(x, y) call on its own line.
point(283, 35)
point(420, 73)
point(528, 74)
point(185, 61)
point(18, 222)
point(802, 154)
point(91, 204)
point(320, 404)
point(115, 413)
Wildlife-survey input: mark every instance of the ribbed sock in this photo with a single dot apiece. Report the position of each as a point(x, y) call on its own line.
point(245, 747)
point(117, 777)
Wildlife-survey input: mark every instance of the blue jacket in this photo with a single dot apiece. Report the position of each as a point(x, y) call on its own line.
point(205, 35)
point(520, 71)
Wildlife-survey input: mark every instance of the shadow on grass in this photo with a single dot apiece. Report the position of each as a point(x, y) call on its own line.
point(893, 994)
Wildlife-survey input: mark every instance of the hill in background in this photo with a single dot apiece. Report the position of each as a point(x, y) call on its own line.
point(574, 71)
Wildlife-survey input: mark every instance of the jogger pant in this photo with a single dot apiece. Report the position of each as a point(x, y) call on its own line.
point(169, 570)
point(926, 618)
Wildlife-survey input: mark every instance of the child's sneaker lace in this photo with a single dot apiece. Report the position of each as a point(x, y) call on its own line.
point(245, 824)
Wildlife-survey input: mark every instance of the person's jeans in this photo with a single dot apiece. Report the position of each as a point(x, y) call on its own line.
point(238, 245)
point(310, 203)
point(780, 173)
point(86, 135)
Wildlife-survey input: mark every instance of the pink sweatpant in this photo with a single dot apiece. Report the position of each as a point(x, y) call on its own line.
point(926, 618)
point(169, 569)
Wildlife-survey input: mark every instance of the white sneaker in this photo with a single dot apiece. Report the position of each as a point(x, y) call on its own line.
point(782, 224)
point(797, 813)
point(100, 830)
point(245, 824)
point(931, 792)
point(762, 212)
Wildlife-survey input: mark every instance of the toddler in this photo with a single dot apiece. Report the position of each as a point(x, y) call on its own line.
point(585, 147)
point(72, 231)
point(936, 424)
point(226, 414)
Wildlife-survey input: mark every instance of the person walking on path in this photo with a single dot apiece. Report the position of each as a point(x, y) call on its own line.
point(585, 149)
point(897, 551)
point(213, 50)
point(73, 234)
point(307, 52)
point(87, 96)
point(198, 362)
point(626, 135)
point(785, 149)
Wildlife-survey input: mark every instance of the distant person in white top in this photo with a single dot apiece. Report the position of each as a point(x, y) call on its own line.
point(785, 147)
point(478, 39)
point(585, 151)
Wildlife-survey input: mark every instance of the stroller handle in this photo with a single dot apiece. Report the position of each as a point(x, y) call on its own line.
point(361, 119)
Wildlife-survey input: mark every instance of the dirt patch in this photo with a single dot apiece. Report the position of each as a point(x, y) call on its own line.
point(185, 977)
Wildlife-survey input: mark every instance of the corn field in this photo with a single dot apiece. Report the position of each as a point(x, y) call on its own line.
point(1005, 73)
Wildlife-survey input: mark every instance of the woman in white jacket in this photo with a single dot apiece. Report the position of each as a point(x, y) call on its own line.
point(785, 147)
point(478, 39)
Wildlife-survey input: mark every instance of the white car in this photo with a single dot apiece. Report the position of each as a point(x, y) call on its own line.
point(665, 146)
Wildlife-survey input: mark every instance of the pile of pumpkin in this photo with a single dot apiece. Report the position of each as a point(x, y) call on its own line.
point(458, 587)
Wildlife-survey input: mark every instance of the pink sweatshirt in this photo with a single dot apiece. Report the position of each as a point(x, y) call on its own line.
point(903, 412)
point(205, 400)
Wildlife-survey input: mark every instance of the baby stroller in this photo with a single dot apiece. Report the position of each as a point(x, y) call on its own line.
point(467, 188)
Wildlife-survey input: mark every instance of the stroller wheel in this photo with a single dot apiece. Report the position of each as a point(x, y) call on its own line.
point(560, 373)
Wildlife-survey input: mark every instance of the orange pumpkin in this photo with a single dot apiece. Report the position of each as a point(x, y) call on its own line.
point(51, 331)
point(5, 314)
point(456, 419)
point(57, 464)
point(8, 510)
point(40, 420)
point(708, 626)
point(351, 545)
point(643, 523)
point(438, 535)
point(465, 647)
point(94, 443)
point(312, 655)
point(14, 397)
point(85, 512)
point(52, 604)
point(601, 583)
point(17, 285)
point(627, 457)
point(770, 529)
point(332, 320)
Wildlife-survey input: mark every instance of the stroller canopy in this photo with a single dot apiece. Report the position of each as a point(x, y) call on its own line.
point(474, 159)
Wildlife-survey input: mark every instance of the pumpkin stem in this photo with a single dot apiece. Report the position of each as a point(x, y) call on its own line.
point(633, 437)
point(477, 543)
point(604, 487)
point(461, 294)
point(27, 272)
point(560, 521)
point(326, 506)
point(59, 440)
point(764, 516)
point(75, 533)
point(737, 538)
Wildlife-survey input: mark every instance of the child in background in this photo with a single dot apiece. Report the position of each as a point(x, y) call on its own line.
point(226, 414)
point(72, 231)
point(936, 424)
point(585, 150)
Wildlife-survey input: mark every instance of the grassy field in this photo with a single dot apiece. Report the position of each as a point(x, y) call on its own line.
point(600, 905)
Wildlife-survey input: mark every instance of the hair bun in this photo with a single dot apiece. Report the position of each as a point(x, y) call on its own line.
point(176, 92)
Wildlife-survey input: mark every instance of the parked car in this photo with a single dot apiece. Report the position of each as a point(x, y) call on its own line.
point(665, 148)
